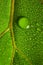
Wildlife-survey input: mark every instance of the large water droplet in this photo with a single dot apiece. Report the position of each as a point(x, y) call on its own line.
point(23, 23)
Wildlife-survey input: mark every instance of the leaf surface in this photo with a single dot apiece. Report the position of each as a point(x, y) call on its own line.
point(30, 41)
point(5, 6)
point(6, 49)
point(27, 44)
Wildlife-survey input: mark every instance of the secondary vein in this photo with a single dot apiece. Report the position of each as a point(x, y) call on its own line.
point(4, 32)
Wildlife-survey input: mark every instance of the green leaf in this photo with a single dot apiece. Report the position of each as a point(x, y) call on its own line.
point(29, 42)
point(18, 60)
point(21, 46)
point(5, 49)
point(5, 6)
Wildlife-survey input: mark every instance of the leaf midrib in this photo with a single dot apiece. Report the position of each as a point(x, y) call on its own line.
point(10, 27)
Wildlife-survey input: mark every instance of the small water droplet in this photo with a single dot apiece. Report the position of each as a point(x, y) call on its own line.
point(37, 24)
point(27, 27)
point(32, 48)
point(38, 29)
point(28, 49)
point(9, 58)
point(32, 26)
point(23, 23)
point(30, 38)
point(26, 59)
point(16, 51)
point(35, 38)
point(34, 34)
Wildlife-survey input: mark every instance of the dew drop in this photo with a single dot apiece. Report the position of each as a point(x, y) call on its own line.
point(23, 23)
point(38, 29)
point(34, 34)
point(27, 26)
point(37, 24)
point(9, 58)
point(16, 51)
point(30, 38)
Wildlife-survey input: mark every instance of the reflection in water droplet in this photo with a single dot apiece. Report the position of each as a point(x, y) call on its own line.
point(27, 26)
point(23, 23)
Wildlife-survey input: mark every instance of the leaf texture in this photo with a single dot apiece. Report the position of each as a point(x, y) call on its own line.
point(30, 41)
point(5, 6)
point(21, 46)
point(6, 49)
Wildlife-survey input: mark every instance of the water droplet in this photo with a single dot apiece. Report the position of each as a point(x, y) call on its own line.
point(38, 29)
point(9, 58)
point(27, 26)
point(37, 24)
point(32, 26)
point(23, 23)
point(30, 38)
point(34, 34)
point(16, 51)
point(28, 49)
point(26, 59)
